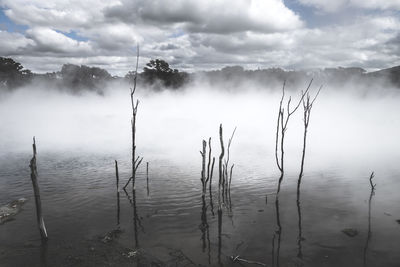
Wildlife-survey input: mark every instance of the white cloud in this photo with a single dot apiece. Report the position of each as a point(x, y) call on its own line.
point(49, 41)
point(58, 14)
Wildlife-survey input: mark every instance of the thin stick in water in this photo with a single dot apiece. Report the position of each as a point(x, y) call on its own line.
point(147, 178)
point(116, 174)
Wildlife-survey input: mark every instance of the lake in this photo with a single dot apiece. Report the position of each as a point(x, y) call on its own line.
point(168, 223)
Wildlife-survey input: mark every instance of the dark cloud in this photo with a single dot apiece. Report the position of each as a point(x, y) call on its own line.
point(208, 16)
point(168, 46)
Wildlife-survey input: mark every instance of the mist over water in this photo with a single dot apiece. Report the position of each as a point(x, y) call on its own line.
point(347, 127)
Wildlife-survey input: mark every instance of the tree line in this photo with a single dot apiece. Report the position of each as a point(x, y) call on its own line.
point(158, 75)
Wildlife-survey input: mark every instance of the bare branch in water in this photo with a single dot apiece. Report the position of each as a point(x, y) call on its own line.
point(370, 181)
point(237, 258)
point(36, 191)
point(133, 124)
point(307, 106)
point(281, 127)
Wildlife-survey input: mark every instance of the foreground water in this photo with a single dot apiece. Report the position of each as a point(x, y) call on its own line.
point(176, 228)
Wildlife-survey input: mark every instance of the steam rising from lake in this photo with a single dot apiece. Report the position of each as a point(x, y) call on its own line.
point(346, 128)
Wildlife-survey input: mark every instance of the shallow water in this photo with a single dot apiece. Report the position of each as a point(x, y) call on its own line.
point(80, 203)
point(349, 138)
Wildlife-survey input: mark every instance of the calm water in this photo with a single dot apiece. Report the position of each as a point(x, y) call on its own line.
point(80, 204)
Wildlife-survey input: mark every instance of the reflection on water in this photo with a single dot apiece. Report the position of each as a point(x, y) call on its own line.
point(300, 238)
point(219, 235)
point(43, 253)
point(278, 232)
point(369, 233)
point(204, 228)
point(80, 204)
point(118, 210)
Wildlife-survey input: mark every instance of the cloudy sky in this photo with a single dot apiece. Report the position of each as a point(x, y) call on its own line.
point(196, 35)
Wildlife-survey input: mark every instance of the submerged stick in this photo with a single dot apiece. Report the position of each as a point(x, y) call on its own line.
point(118, 209)
point(221, 156)
point(203, 167)
point(127, 183)
point(230, 177)
point(220, 168)
point(209, 161)
point(116, 174)
point(147, 178)
point(237, 258)
point(34, 175)
point(212, 170)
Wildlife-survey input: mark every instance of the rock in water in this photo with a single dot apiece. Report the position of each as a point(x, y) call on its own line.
point(7, 212)
point(350, 232)
point(398, 221)
point(110, 236)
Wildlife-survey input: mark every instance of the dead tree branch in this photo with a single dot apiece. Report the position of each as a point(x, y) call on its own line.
point(133, 123)
point(370, 181)
point(282, 124)
point(237, 258)
point(307, 106)
point(228, 157)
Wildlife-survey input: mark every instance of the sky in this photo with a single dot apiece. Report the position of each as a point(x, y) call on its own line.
point(195, 35)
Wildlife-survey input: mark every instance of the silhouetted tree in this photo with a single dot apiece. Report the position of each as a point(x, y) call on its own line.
point(158, 70)
point(77, 77)
point(158, 66)
point(12, 73)
point(130, 76)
